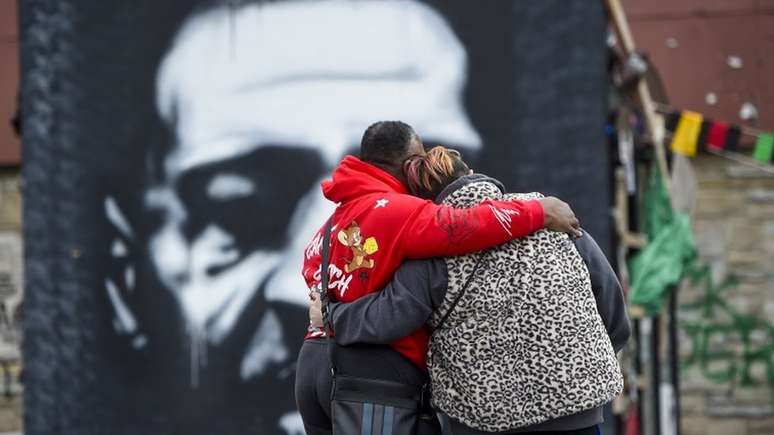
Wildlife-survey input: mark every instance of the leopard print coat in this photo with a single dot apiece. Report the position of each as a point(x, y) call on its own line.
point(525, 343)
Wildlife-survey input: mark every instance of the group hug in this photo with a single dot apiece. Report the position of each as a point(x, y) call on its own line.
point(443, 304)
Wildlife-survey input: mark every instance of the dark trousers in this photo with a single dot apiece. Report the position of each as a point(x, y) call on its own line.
point(313, 378)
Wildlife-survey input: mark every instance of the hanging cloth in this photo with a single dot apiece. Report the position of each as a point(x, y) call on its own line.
point(716, 138)
point(686, 135)
point(764, 148)
point(732, 138)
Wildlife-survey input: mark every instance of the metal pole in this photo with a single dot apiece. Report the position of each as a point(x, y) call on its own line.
point(639, 368)
point(674, 355)
point(655, 378)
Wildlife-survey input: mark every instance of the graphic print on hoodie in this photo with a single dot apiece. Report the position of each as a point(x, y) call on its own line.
point(377, 225)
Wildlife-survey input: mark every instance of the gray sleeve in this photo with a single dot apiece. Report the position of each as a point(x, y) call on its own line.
point(607, 291)
point(401, 308)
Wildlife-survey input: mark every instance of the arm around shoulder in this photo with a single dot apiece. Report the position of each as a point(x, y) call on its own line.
point(401, 308)
point(439, 230)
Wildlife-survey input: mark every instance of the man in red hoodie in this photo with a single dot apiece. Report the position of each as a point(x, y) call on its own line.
point(377, 226)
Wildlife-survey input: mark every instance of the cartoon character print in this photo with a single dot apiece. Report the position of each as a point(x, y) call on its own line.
point(352, 237)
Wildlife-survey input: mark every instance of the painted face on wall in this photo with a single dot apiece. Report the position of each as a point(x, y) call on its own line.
point(224, 228)
point(262, 101)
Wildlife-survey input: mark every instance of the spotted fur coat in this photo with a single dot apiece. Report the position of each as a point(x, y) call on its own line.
point(525, 343)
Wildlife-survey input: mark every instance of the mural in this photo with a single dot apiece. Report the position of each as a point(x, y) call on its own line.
point(245, 111)
point(191, 140)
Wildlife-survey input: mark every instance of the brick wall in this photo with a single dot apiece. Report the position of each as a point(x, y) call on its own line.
point(11, 268)
point(11, 291)
point(734, 230)
point(10, 152)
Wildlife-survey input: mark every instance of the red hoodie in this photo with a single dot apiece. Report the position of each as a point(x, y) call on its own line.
point(377, 226)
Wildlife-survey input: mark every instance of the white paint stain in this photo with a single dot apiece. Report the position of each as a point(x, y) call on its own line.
point(748, 111)
point(735, 62)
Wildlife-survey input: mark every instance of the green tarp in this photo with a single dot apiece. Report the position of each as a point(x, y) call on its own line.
point(670, 249)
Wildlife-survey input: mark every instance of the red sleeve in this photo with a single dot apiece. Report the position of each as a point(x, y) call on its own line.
point(438, 230)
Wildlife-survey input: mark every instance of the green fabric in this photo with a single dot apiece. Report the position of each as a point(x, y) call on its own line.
point(670, 249)
point(764, 148)
point(661, 264)
point(656, 208)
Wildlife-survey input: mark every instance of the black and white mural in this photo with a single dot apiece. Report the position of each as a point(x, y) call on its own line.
point(173, 154)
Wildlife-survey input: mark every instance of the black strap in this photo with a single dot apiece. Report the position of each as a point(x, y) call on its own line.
point(462, 291)
point(324, 298)
point(426, 391)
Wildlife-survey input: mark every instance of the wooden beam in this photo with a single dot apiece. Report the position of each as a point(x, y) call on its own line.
point(653, 121)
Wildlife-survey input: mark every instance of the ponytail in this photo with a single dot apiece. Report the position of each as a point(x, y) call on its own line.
point(427, 175)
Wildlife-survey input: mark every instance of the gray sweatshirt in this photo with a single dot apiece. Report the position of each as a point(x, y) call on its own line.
point(418, 288)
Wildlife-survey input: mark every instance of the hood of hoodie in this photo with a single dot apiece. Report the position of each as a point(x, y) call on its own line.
point(353, 178)
point(464, 181)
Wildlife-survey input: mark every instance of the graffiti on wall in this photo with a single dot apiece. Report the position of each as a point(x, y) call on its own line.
point(729, 347)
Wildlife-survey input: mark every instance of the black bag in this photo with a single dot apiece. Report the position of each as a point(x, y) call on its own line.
point(366, 406)
point(375, 406)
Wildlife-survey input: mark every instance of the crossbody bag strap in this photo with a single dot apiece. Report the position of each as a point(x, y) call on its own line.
point(324, 297)
point(462, 291)
point(426, 390)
